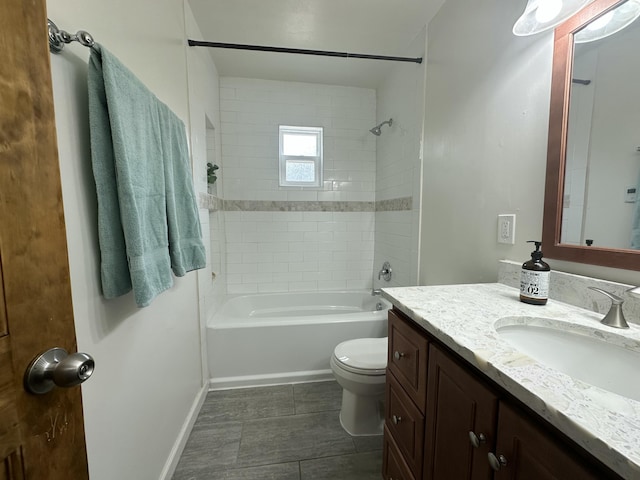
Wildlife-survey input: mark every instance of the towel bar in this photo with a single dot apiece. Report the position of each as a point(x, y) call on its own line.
point(57, 38)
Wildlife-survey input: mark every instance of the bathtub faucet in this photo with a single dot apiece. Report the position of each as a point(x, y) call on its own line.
point(376, 291)
point(385, 272)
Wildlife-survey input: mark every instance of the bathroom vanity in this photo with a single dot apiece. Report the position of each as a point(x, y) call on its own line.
point(463, 403)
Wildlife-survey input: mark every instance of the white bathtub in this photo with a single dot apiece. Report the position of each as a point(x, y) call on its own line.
point(289, 337)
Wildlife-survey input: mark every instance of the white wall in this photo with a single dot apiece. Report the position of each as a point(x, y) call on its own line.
point(148, 366)
point(487, 106)
point(399, 167)
point(301, 247)
point(614, 162)
point(578, 139)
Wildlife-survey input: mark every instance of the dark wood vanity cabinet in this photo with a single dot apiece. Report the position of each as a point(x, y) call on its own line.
point(448, 428)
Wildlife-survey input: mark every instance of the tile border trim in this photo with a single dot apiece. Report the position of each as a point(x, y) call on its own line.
point(394, 204)
point(215, 204)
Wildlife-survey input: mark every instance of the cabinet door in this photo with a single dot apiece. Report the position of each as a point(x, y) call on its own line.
point(458, 405)
point(407, 358)
point(393, 464)
point(529, 453)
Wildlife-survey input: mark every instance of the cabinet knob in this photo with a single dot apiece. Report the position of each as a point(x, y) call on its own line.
point(396, 419)
point(497, 462)
point(398, 355)
point(476, 440)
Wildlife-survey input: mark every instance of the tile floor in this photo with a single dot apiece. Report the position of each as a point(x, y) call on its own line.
point(285, 432)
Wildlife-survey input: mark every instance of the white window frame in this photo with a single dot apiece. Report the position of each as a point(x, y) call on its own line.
point(316, 159)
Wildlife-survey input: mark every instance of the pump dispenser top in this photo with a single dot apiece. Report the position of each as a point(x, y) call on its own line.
point(534, 278)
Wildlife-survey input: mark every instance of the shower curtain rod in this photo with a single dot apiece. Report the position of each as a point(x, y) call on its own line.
point(322, 53)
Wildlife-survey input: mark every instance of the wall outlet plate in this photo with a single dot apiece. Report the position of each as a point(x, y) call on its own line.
point(507, 229)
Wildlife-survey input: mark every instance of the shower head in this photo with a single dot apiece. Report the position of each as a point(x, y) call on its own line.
point(377, 130)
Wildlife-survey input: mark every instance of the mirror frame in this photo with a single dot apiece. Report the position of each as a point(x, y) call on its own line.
point(556, 152)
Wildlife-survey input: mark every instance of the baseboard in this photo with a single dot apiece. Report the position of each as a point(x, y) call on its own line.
point(183, 436)
point(224, 383)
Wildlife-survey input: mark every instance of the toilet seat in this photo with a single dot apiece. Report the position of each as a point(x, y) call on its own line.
point(363, 356)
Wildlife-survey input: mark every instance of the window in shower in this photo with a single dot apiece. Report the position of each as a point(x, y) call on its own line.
point(300, 156)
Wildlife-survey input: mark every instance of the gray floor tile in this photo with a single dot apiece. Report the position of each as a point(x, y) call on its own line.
point(247, 403)
point(371, 443)
point(209, 449)
point(280, 471)
point(298, 437)
point(317, 396)
point(357, 466)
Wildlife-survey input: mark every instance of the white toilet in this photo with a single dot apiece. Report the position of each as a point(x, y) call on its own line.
point(359, 367)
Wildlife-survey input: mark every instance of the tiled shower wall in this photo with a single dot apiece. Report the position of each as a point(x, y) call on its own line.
point(286, 238)
point(217, 228)
point(401, 97)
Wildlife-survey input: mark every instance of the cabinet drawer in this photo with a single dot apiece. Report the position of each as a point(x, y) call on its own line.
point(406, 424)
point(407, 358)
point(393, 466)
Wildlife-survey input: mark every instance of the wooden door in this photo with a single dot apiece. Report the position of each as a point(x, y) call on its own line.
point(533, 454)
point(41, 436)
point(457, 404)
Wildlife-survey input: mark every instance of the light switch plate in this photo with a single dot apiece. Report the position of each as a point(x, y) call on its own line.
point(507, 229)
point(630, 194)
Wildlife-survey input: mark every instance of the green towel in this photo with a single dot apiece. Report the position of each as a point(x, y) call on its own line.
point(147, 215)
point(185, 237)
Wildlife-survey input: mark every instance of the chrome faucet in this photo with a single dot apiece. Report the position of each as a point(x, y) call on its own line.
point(376, 291)
point(385, 272)
point(615, 317)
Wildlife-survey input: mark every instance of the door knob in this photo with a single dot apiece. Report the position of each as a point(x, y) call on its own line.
point(56, 367)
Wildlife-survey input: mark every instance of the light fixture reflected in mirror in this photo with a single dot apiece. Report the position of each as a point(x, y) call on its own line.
point(541, 15)
point(609, 23)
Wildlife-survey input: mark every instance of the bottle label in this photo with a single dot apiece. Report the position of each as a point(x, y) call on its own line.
point(534, 284)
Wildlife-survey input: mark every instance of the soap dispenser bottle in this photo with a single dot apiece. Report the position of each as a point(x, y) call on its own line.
point(534, 278)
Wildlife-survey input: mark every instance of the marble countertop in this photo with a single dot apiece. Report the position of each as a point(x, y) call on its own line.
point(463, 316)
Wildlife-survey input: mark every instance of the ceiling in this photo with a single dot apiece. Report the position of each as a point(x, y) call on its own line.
point(379, 27)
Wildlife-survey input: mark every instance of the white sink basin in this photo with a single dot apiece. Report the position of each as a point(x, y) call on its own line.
point(605, 360)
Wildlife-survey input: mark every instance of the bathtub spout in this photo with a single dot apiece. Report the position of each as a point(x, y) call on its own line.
point(376, 291)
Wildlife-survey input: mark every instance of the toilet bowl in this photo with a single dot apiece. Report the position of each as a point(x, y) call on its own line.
point(359, 367)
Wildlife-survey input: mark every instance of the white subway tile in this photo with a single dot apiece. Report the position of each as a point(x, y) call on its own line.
point(288, 257)
point(273, 287)
point(302, 226)
point(250, 278)
point(332, 285)
point(242, 268)
point(243, 289)
point(273, 247)
point(317, 276)
point(303, 286)
point(303, 267)
point(288, 277)
point(273, 267)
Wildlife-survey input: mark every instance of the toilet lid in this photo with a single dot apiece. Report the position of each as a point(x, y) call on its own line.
point(363, 354)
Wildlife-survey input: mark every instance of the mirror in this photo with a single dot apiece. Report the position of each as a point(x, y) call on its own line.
point(593, 161)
